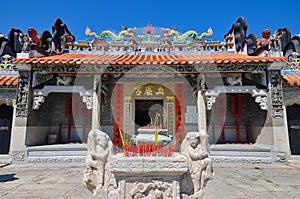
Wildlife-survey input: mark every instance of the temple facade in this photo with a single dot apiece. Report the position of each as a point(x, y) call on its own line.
point(290, 75)
point(129, 83)
point(8, 87)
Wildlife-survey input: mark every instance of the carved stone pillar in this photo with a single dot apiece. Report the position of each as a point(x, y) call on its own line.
point(276, 94)
point(128, 127)
point(96, 102)
point(22, 94)
point(201, 104)
point(278, 117)
point(19, 128)
point(170, 115)
point(201, 111)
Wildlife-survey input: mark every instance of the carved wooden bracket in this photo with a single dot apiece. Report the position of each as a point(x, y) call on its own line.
point(40, 94)
point(259, 94)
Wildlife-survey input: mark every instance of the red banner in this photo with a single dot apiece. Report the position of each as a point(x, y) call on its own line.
point(118, 113)
point(236, 105)
point(179, 105)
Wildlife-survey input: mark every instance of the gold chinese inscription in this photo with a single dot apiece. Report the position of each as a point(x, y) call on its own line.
point(160, 90)
point(138, 90)
point(149, 90)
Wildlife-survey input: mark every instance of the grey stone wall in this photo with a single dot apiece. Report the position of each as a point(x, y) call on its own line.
point(251, 115)
point(47, 118)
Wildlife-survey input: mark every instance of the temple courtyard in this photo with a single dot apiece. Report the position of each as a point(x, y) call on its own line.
point(231, 181)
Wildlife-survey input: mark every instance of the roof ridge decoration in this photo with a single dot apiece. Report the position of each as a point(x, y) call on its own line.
point(294, 61)
point(147, 39)
point(6, 64)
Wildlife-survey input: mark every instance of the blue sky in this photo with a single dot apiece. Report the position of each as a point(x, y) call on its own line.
point(101, 15)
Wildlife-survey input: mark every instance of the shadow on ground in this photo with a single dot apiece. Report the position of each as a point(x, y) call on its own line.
point(8, 177)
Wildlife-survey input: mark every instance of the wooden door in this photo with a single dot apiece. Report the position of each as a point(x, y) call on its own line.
point(6, 113)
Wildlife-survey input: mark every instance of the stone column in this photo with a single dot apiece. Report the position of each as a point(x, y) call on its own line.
point(127, 125)
point(201, 111)
point(19, 126)
point(278, 117)
point(96, 102)
point(201, 104)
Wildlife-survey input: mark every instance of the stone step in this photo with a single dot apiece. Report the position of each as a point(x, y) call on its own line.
point(219, 153)
point(231, 159)
point(4, 160)
point(240, 147)
point(57, 153)
point(240, 153)
point(248, 153)
point(55, 159)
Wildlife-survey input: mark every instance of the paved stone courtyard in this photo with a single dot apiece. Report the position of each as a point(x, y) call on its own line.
point(232, 181)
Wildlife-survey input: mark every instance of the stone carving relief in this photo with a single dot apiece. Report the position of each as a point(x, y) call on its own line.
point(261, 98)
point(280, 157)
point(99, 147)
point(210, 102)
point(87, 98)
point(152, 190)
point(38, 100)
point(262, 101)
point(276, 94)
point(234, 80)
point(63, 80)
point(18, 156)
point(22, 95)
point(195, 148)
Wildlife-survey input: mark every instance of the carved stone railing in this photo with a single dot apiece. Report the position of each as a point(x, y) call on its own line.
point(259, 94)
point(40, 95)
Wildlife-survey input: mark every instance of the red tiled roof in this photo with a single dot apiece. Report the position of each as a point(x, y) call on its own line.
point(8, 80)
point(112, 59)
point(291, 80)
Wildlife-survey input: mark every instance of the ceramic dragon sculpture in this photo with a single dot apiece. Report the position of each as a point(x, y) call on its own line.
point(166, 32)
point(125, 32)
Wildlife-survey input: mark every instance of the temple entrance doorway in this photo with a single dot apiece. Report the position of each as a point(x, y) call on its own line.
point(149, 113)
point(293, 118)
point(6, 115)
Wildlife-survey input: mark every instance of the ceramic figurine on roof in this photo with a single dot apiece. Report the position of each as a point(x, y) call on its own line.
point(293, 45)
point(60, 32)
point(238, 30)
point(279, 43)
point(13, 44)
point(48, 44)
